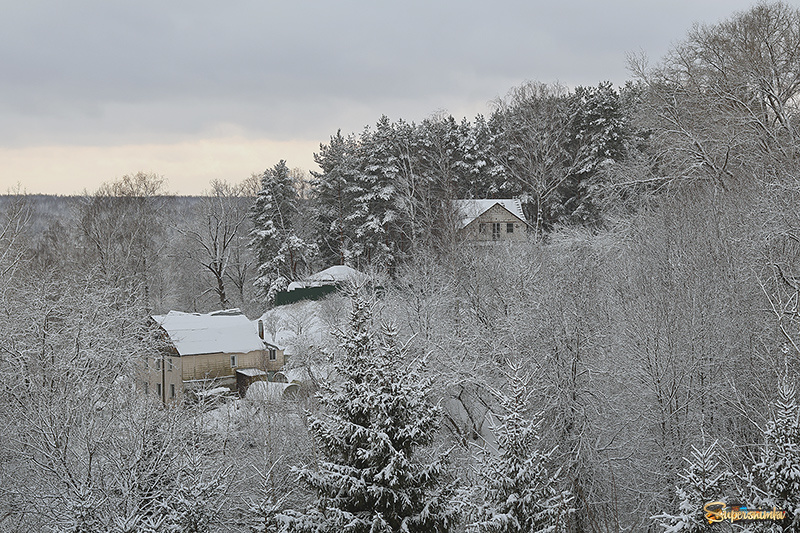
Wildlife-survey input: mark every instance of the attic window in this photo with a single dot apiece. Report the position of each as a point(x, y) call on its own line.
point(233, 361)
point(272, 354)
point(509, 227)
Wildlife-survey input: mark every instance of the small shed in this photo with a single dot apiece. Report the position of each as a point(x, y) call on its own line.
point(319, 285)
point(246, 377)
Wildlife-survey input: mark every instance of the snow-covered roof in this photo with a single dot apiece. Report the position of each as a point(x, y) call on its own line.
point(251, 372)
point(226, 331)
point(469, 210)
point(336, 273)
point(329, 276)
point(292, 326)
point(294, 285)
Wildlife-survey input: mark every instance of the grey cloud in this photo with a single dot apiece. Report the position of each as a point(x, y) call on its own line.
point(98, 71)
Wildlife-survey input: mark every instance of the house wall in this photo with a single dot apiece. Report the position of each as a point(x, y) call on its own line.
point(480, 229)
point(177, 370)
point(217, 365)
point(162, 375)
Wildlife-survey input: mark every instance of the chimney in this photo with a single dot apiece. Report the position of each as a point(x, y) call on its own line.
point(261, 329)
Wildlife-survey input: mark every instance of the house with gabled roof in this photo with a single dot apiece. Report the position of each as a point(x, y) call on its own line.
point(200, 351)
point(491, 220)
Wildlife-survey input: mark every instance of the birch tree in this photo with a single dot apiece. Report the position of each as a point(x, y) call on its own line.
point(533, 126)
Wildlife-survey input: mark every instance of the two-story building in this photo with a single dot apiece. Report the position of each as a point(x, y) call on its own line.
point(487, 221)
point(201, 351)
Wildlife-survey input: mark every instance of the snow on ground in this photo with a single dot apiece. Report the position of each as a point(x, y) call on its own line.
point(213, 392)
point(231, 417)
point(307, 374)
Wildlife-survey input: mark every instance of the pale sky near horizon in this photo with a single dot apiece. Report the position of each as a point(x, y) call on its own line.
point(92, 90)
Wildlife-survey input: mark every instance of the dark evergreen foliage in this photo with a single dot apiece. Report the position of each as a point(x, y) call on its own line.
point(376, 476)
point(281, 252)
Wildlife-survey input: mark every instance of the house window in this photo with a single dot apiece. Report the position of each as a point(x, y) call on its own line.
point(495, 230)
point(272, 354)
point(509, 227)
point(158, 389)
point(233, 361)
point(481, 228)
point(171, 390)
point(158, 364)
point(170, 366)
point(146, 387)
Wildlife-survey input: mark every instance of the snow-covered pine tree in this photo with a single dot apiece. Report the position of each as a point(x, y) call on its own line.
point(439, 164)
point(597, 139)
point(779, 467)
point(377, 213)
point(198, 499)
point(377, 423)
point(334, 198)
point(483, 176)
point(702, 482)
point(520, 495)
point(278, 248)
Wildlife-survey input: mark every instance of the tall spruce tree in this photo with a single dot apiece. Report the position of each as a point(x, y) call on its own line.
point(334, 198)
point(440, 163)
point(378, 212)
point(281, 253)
point(779, 467)
point(483, 176)
point(702, 482)
point(519, 494)
point(378, 422)
point(597, 139)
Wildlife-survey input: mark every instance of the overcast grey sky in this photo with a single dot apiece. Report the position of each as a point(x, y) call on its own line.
point(92, 90)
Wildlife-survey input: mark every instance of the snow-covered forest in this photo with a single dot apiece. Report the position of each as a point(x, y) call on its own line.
point(636, 358)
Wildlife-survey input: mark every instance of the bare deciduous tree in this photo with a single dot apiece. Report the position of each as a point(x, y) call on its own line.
point(217, 243)
point(122, 226)
point(724, 101)
point(533, 123)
